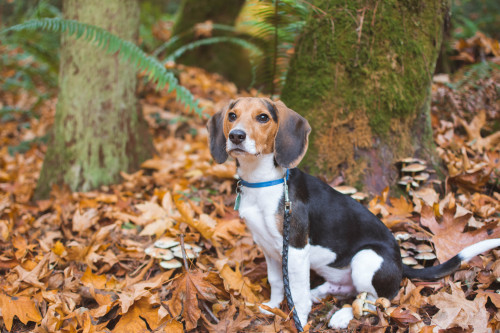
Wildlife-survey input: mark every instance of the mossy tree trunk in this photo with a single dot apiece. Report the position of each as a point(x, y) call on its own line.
point(227, 59)
point(99, 129)
point(362, 75)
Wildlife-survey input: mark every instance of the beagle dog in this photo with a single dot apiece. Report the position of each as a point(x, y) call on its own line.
point(330, 233)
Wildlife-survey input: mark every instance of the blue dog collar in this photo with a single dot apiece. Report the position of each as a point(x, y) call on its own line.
point(265, 184)
point(242, 182)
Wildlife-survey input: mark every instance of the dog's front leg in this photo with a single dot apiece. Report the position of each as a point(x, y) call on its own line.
point(298, 272)
point(275, 278)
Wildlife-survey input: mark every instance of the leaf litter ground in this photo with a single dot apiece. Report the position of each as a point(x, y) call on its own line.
point(111, 259)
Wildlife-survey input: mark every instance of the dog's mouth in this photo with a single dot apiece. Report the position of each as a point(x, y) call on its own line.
point(238, 151)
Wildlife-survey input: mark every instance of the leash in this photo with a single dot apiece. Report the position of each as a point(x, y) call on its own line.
point(284, 259)
point(286, 235)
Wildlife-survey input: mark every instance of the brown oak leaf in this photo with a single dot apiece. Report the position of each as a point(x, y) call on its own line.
point(22, 307)
point(227, 323)
point(449, 238)
point(146, 310)
point(456, 310)
point(187, 290)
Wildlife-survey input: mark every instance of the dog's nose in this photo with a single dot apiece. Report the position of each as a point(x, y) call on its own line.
point(237, 136)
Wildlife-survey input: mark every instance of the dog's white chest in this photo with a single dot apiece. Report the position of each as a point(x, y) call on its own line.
point(259, 209)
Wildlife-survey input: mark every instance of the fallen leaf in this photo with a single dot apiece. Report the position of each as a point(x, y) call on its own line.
point(205, 229)
point(134, 292)
point(144, 315)
point(85, 221)
point(22, 307)
point(187, 290)
point(456, 310)
point(234, 280)
point(157, 228)
point(403, 317)
point(229, 230)
point(449, 238)
point(228, 323)
point(174, 326)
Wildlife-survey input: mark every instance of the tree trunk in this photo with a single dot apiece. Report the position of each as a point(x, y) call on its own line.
point(361, 75)
point(227, 59)
point(99, 129)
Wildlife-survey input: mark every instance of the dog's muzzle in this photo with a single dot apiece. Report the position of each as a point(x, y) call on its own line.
point(237, 136)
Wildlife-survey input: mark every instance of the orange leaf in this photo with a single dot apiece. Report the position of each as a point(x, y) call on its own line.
point(403, 317)
point(400, 207)
point(58, 248)
point(90, 279)
point(174, 327)
point(449, 238)
point(142, 312)
point(457, 310)
point(22, 307)
point(228, 323)
point(187, 214)
point(234, 280)
point(229, 230)
point(82, 222)
point(186, 291)
point(143, 289)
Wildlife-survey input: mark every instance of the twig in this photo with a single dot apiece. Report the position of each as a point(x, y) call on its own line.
point(374, 14)
point(205, 306)
point(184, 253)
point(314, 7)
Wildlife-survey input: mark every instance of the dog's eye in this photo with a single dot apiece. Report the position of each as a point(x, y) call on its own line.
point(262, 118)
point(232, 116)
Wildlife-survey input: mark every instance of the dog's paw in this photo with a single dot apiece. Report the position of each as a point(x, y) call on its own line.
point(341, 318)
point(317, 295)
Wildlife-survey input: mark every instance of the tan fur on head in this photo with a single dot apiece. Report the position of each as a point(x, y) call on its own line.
point(286, 133)
point(247, 110)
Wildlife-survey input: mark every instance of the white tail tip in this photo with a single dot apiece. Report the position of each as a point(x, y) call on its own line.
point(475, 249)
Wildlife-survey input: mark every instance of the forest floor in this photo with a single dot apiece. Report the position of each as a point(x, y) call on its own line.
point(112, 259)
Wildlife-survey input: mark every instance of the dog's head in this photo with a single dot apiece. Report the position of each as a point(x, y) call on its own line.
point(255, 126)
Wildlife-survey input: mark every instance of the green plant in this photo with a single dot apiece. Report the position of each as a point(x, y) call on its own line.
point(474, 73)
point(278, 22)
point(174, 51)
point(470, 16)
point(111, 43)
point(167, 46)
point(31, 55)
point(253, 49)
point(152, 12)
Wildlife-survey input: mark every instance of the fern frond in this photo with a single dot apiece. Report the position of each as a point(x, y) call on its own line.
point(278, 22)
point(128, 51)
point(255, 51)
point(172, 41)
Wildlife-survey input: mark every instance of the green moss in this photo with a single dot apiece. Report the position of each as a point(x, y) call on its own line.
point(381, 68)
point(98, 129)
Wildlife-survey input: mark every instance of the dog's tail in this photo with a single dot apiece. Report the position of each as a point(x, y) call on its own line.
point(448, 267)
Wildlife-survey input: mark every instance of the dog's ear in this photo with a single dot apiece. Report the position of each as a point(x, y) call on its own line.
point(217, 140)
point(292, 138)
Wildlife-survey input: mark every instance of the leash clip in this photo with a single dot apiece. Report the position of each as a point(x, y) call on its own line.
point(288, 203)
point(238, 195)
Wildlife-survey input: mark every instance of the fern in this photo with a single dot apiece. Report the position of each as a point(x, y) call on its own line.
point(279, 23)
point(474, 73)
point(111, 43)
point(254, 50)
point(167, 45)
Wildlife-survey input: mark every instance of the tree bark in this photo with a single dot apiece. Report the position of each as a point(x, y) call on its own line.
point(227, 59)
point(99, 129)
point(361, 75)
